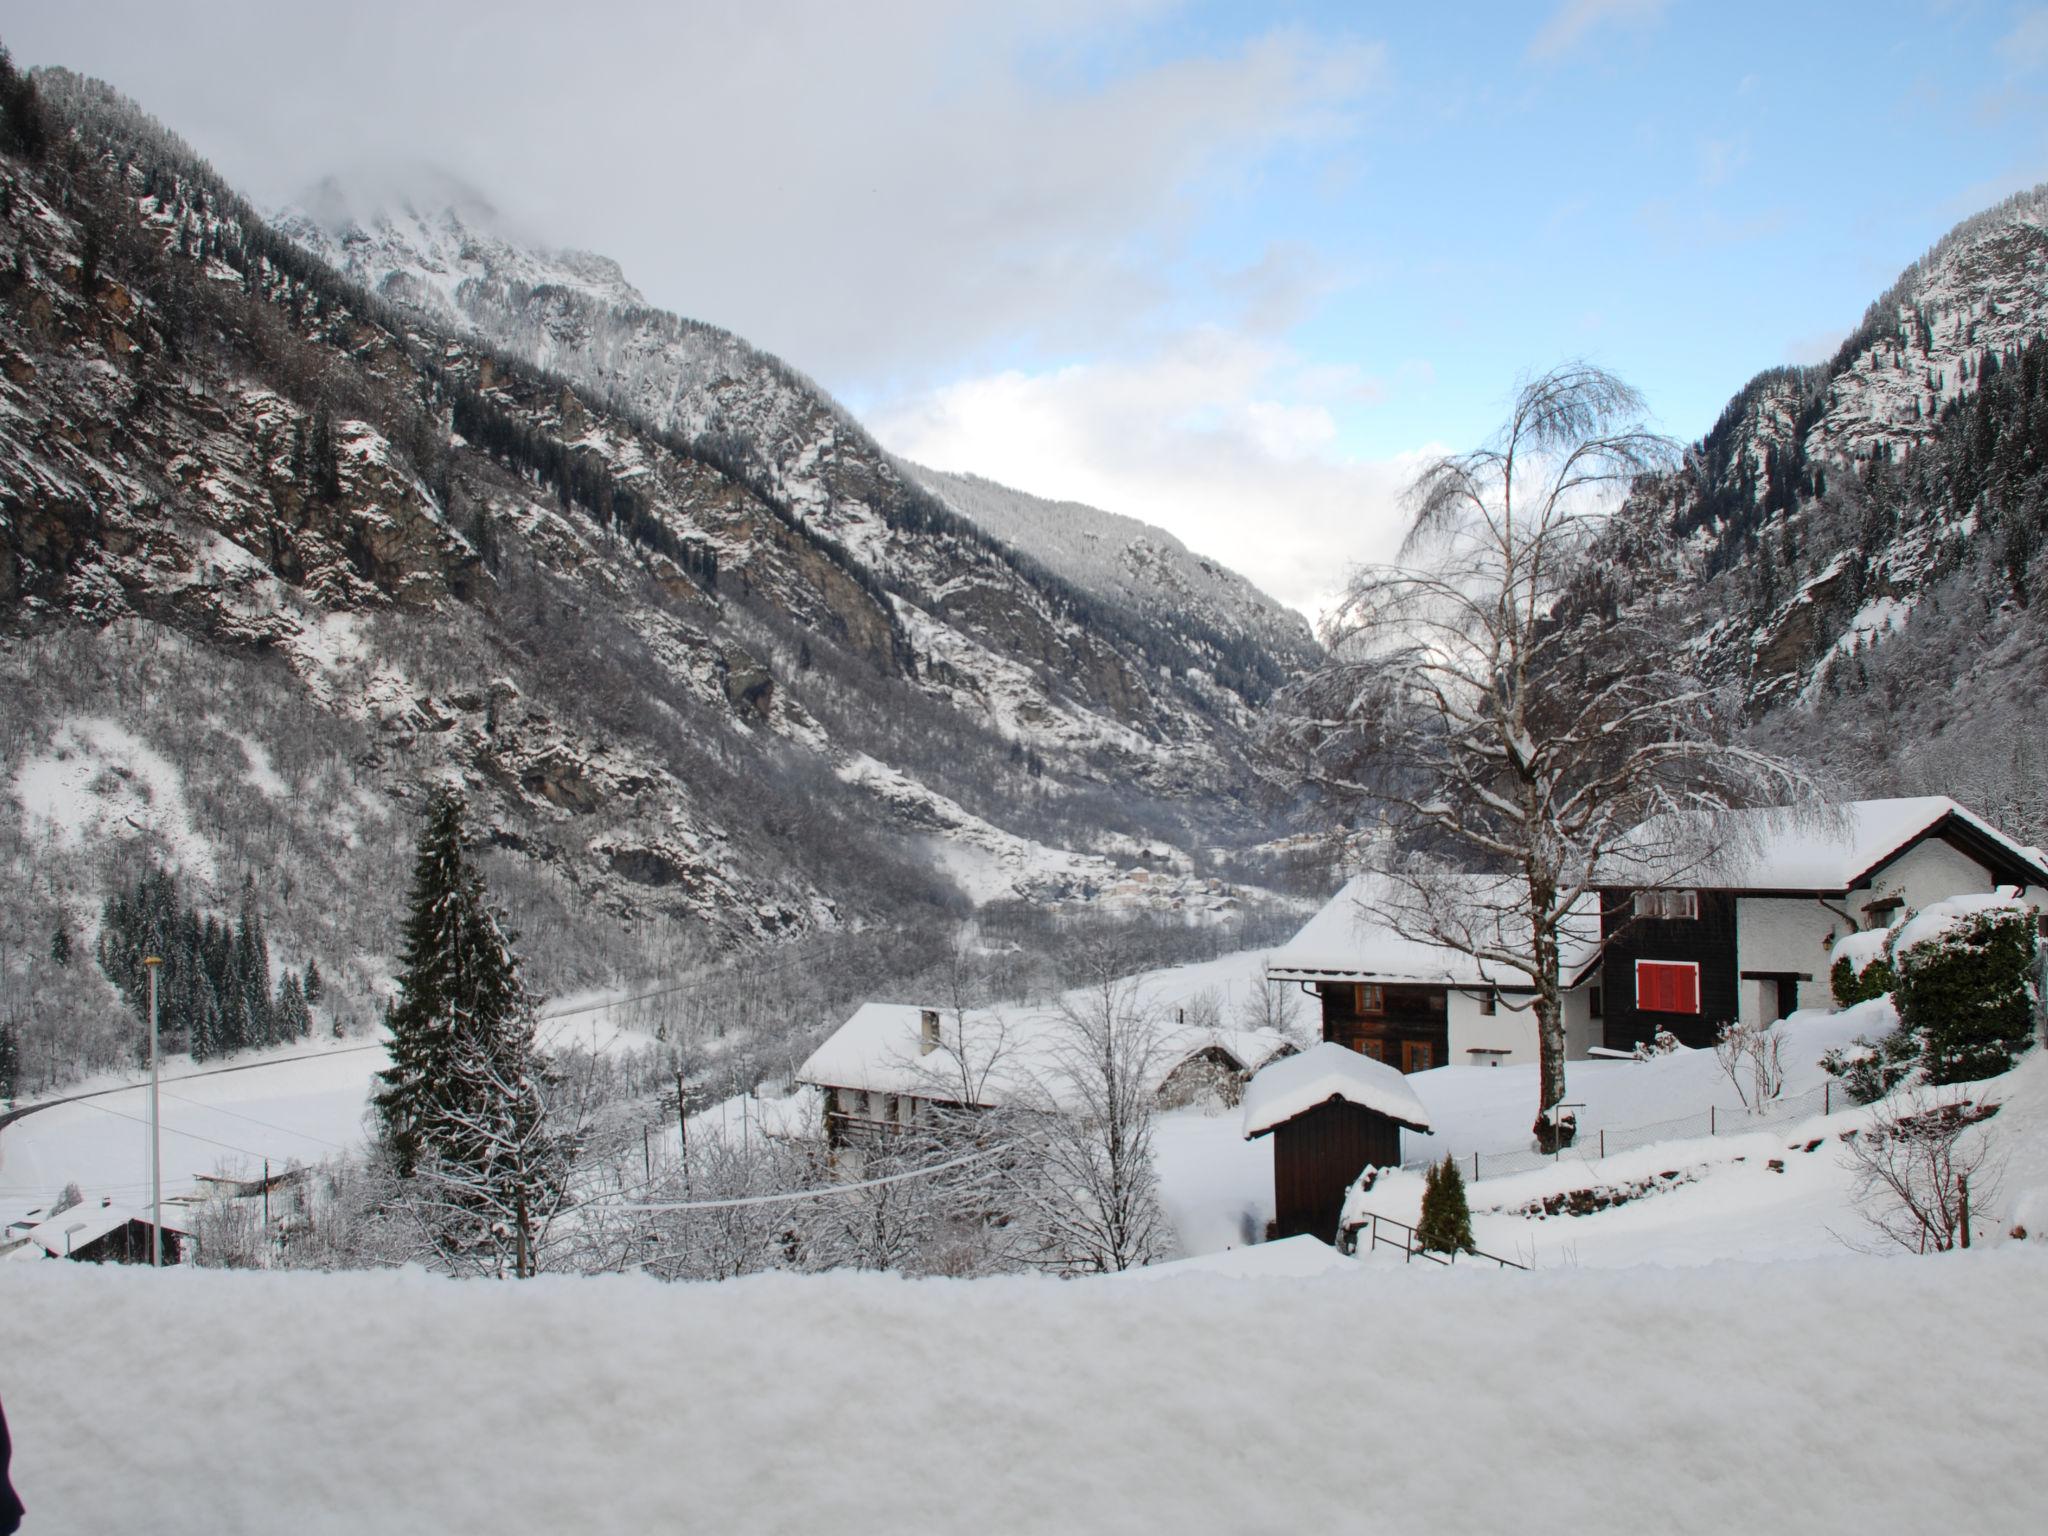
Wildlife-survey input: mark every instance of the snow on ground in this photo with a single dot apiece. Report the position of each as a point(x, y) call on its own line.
point(1847, 1395)
point(304, 1105)
point(1215, 1187)
point(97, 779)
point(1488, 1109)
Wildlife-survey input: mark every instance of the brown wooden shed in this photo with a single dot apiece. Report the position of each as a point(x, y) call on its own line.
point(1332, 1113)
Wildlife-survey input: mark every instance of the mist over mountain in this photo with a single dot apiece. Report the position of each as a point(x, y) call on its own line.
point(298, 519)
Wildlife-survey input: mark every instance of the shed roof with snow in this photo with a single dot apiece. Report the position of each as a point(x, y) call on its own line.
point(1292, 1087)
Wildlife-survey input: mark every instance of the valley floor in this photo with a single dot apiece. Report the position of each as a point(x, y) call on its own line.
point(1848, 1394)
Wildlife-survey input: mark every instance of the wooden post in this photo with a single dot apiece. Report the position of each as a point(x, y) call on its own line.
point(266, 1199)
point(647, 1152)
point(520, 1260)
point(1963, 1191)
point(1711, 1131)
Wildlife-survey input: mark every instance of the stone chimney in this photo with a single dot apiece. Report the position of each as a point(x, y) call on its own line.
point(928, 1038)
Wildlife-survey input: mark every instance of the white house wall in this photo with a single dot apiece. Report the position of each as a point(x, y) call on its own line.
point(1931, 872)
point(1513, 1028)
point(1779, 934)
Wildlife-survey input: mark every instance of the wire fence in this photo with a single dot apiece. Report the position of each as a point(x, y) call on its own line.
point(1595, 1142)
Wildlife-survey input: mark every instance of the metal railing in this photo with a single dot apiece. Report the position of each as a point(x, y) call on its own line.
point(1408, 1242)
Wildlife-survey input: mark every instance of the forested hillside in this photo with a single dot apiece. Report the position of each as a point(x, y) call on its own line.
point(275, 555)
point(1860, 543)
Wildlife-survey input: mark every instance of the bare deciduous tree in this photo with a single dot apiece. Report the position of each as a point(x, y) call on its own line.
point(1082, 1184)
point(1504, 701)
point(1751, 1055)
point(1921, 1166)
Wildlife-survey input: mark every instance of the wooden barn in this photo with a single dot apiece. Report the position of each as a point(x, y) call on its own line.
point(106, 1233)
point(1332, 1113)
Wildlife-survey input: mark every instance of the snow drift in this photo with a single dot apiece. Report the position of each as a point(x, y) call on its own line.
point(1842, 1395)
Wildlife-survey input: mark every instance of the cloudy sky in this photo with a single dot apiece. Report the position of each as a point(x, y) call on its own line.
point(1227, 267)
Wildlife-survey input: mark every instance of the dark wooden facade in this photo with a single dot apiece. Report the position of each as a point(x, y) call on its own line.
point(1404, 1025)
point(1318, 1155)
point(129, 1244)
point(1707, 940)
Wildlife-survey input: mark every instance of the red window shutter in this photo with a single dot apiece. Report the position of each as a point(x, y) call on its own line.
point(1685, 989)
point(1666, 986)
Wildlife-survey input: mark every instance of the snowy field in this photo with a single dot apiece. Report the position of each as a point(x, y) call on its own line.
point(304, 1105)
point(1851, 1394)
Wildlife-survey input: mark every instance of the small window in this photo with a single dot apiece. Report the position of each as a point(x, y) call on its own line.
point(1668, 904)
point(1417, 1055)
point(1372, 997)
point(1489, 1004)
point(1668, 986)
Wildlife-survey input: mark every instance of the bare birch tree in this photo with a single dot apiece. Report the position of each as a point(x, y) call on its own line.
point(1507, 702)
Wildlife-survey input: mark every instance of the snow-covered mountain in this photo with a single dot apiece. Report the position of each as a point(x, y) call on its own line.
point(1124, 561)
point(1862, 539)
point(275, 550)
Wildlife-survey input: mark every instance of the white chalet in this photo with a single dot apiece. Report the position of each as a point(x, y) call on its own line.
point(1684, 942)
point(891, 1064)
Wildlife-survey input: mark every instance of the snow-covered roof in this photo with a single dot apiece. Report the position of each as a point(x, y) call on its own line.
point(1009, 1051)
point(1323, 1072)
point(1350, 939)
point(69, 1231)
point(1832, 848)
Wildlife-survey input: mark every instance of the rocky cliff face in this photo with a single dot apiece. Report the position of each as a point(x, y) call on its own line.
point(1862, 539)
point(706, 666)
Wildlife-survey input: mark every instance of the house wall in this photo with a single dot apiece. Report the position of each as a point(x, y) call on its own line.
point(1512, 1028)
point(1926, 873)
point(1786, 935)
point(1408, 1029)
point(1708, 940)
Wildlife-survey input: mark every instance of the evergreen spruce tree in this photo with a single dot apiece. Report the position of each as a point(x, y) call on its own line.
point(10, 1063)
point(314, 985)
point(462, 1106)
point(1446, 1222)
point(60, 944)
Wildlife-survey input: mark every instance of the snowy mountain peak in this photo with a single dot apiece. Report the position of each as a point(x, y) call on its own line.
point(417, 234)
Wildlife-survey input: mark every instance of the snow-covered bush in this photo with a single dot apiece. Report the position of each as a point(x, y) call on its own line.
point(1966, 985)
point(1663, 1043)
point(1862, 967)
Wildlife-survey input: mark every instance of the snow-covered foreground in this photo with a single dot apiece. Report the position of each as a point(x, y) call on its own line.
point(1850, 1394)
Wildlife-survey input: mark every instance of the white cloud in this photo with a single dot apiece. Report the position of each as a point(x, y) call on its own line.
point(1573, 19)
point(1222, 439)
point(872, 190)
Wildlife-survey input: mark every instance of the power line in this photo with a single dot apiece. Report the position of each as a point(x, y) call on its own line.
point(227, 1146)
point(785, 1196)
point(266, 1124)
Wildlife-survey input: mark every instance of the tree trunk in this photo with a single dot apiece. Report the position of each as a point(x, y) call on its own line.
point(1550, 1045)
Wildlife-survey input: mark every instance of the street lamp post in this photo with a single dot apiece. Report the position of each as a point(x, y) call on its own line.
point(154, 963)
